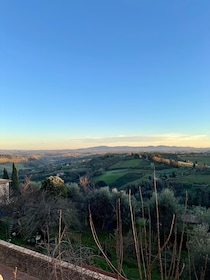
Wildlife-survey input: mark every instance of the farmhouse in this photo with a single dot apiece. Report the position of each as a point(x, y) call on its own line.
point(4, 190)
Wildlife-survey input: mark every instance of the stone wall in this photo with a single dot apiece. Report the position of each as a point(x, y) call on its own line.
point(44, 267)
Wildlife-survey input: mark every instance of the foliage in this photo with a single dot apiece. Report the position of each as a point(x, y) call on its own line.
point(74, 192)
point(124, 207)
point(202, 214)
point(168, 206)
point(101, 206)
point(125, 172)
point(36, 212)
point(5, 174)
point(199, 247)
point(54, 186)
point(15, 180)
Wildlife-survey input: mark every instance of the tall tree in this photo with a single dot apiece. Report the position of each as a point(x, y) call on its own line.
point(15, 180)
point(5, 174)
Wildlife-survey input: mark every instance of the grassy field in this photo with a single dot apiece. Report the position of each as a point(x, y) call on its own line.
point(126, 171)
point(139, 172)
point(111, 176)
point(199, 158)
point(193, 178)
point(131, 163)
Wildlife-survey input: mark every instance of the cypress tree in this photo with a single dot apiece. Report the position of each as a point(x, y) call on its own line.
point(5, 174)
point(15, 180)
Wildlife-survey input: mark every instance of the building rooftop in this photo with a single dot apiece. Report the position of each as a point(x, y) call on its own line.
point(3, 181)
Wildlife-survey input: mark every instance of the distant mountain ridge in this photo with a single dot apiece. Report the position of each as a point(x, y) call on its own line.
point(117, 149)
point(160, 148)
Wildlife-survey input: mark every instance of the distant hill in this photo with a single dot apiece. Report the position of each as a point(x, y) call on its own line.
point(161, 148)
point(108, 149)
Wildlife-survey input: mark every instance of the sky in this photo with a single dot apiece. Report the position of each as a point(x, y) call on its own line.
point(84, 73)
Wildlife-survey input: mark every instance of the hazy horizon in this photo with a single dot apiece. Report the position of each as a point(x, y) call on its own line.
point(82, 74)
point(113, 147)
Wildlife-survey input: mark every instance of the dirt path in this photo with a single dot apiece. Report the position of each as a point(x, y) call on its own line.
point(7, 273)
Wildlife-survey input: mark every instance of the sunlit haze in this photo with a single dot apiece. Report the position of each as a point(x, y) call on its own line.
point(77, 74)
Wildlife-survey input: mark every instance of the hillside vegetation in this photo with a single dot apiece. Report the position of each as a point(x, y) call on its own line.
point(117, 196)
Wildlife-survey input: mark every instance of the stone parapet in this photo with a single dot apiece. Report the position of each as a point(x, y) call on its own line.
point(44, 267)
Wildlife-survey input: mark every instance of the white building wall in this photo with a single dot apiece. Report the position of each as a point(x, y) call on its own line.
point(4, 190)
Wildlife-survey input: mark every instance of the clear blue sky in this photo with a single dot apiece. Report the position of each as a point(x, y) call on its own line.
point(104, 72)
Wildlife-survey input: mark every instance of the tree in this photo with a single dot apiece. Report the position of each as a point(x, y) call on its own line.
point(36, 212)
point(15, 180)
point(86, 183)
point(101, 206)
point(74, 192)
point(5, 174)
point(124, 206)
point(55, 186)
point(168, 206)
point(199, 247)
